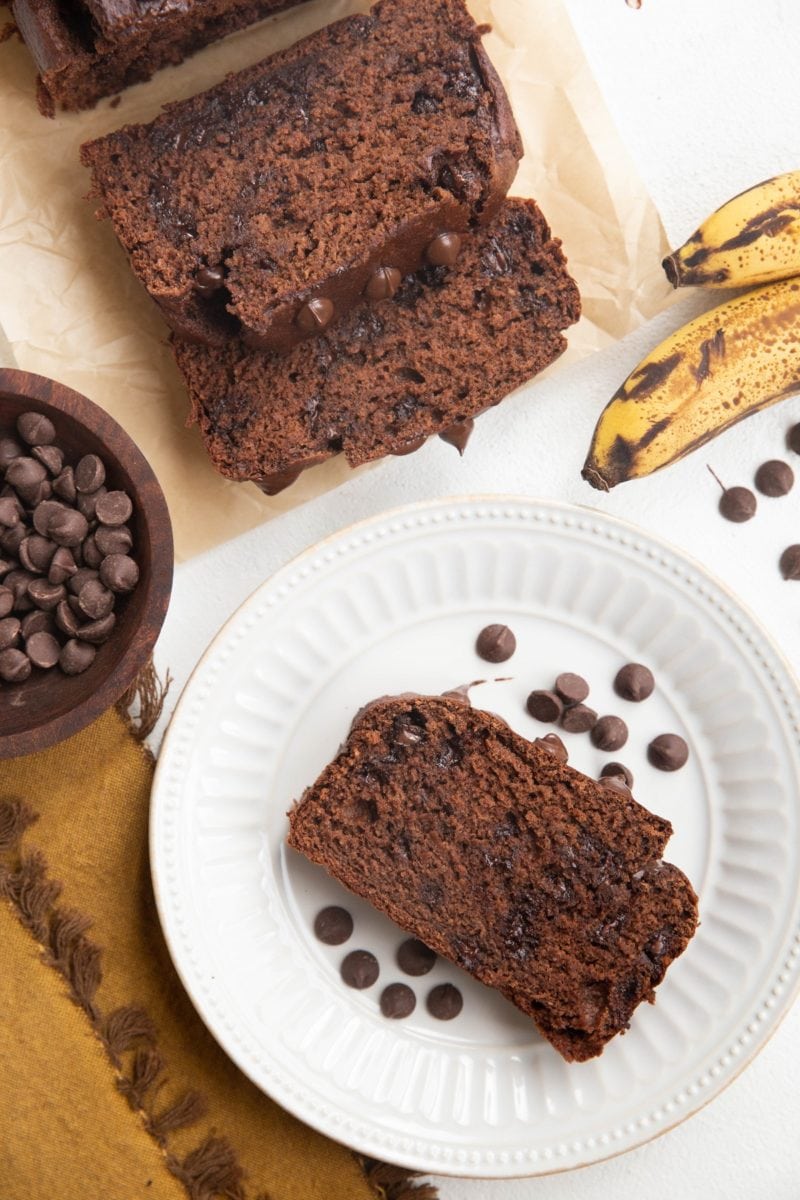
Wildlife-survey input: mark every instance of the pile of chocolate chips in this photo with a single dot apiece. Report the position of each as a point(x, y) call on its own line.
point(64, 554)
point(360, 969)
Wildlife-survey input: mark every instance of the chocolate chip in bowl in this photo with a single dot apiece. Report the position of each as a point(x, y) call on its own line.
point(80, 618)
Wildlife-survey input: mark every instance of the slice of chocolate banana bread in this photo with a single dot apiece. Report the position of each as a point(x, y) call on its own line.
point(532, 877)
point(83, 53)
point(452, 342)
point(327, 172)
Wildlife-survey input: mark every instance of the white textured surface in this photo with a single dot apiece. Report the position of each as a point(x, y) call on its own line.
point(704, 93)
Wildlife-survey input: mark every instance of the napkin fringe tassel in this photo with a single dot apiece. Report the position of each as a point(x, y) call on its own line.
point(142, 704)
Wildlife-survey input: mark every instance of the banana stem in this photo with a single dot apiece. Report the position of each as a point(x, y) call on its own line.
point(672, 270)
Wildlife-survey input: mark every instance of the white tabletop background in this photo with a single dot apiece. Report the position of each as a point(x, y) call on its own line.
point(704, 93)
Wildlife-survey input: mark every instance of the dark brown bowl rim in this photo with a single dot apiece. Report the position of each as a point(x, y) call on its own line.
point(23, 385)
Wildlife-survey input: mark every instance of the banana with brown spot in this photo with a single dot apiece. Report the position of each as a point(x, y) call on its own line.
point(754, 238)
point(722, 366)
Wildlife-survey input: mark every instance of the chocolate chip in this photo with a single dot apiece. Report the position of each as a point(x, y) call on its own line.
point(737, 504)
point(62, 566)
point(397, 1001)
point(36, 552)
point(667, 752)
point(43, 650)
point(333, 925)
point(50, 456)
point(113, 539)
point(609, 733)
point(37, 621)
point(10, 628)
point(68, 527)
point(91, 553)
point(383, 283)
point(578, 718)
point(616, 783)
point(15, 666)
point(9, 450)
point(444, 1002)
point(496, 643)
point(458, 435)
point(544, 706)
point(10, 511)
point(209, 280)
point(359, 969)
point(99, 631)
point(617, 768)
point(119, 572)
point(774, 478)
point(25, 475)
point(792, 440)
point(64, 485)
point(571, 688)
point(86, 502)
point(12, 538)
point(46, 595)
point(553, 744)
point(90, 474)
point(114, 508)
point(414, 957)
point(95, 600)
point(634, 682)
point(66, 620)
point(444, 250)
point(76, 657)
point(790, 563)
point(43, 514)
point(315, 315)
point(18, 581)
point(6, 600)
point(35, 429)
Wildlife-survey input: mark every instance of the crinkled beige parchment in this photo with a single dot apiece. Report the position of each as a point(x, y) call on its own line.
point(72, 310)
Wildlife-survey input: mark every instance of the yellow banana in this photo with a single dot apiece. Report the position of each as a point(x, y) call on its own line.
point(720, 367)
point(754, 238)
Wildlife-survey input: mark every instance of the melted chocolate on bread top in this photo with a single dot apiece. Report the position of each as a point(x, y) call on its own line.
point(299, 178)
point(532, 877)
point(452, 342)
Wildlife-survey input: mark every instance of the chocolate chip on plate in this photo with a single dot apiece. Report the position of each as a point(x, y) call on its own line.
point(397, 1001)
point(414, 957)
point(43, 650)
point(617, 768)
point(609, 733)
point(544, 706)
point(333, 925)
point(120, 573)
point(737, 504)
point(553, 744)
point(667, 752)
point(571, 688)
point(76, 657)
point(496, 643)
point(15, 666)
point(634, 682)
point(774, 478)
point(90, 474)
point(359, 969)
point(790, 563)
point(578, 718)
point(444, 1002)
point(792, 439)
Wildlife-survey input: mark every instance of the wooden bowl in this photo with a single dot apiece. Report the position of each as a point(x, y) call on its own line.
point(50, 706)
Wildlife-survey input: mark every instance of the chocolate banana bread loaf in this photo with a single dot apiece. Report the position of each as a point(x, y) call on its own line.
point(532, 877)
point(277, 199)
point(86, 51)
point(451, 343)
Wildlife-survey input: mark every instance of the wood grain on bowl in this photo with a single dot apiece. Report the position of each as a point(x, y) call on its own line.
point(50, 706)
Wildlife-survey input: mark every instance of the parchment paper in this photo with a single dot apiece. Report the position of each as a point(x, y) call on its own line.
point(72, 309)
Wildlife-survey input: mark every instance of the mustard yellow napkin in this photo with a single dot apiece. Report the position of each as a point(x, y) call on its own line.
point(112, 1087)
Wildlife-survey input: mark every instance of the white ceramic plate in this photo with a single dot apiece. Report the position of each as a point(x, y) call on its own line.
point(394, 605)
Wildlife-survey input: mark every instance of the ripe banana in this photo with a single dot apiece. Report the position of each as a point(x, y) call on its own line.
point(754, 238)
point(720, 367)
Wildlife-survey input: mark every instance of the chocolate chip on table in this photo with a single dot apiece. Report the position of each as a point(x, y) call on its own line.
point(790, 563)
point(113, 539)
point(774, 478)
point(737, 504)
point(495, 643)
point(333, 925)
point(43, 650)
point(10, 628)
point(76, 657)
point(15, 666)
point(120, 573)
point(51, 457)
point(617, 768)
point(415, 958)
point(667, 752)
point(553, 744)
point(571, 688)
point(634, 682)
point(544, 706)
point(36, 429)
point(444, 1002)
point(578, 718)
point(359, 969)
point(397, 1001)
point(90, 474)
point(114, 508)
point(609, 733)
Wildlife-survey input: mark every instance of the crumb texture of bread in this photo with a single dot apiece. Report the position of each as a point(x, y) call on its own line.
point(294, 180)
point(532, 877)
point(452, 342)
